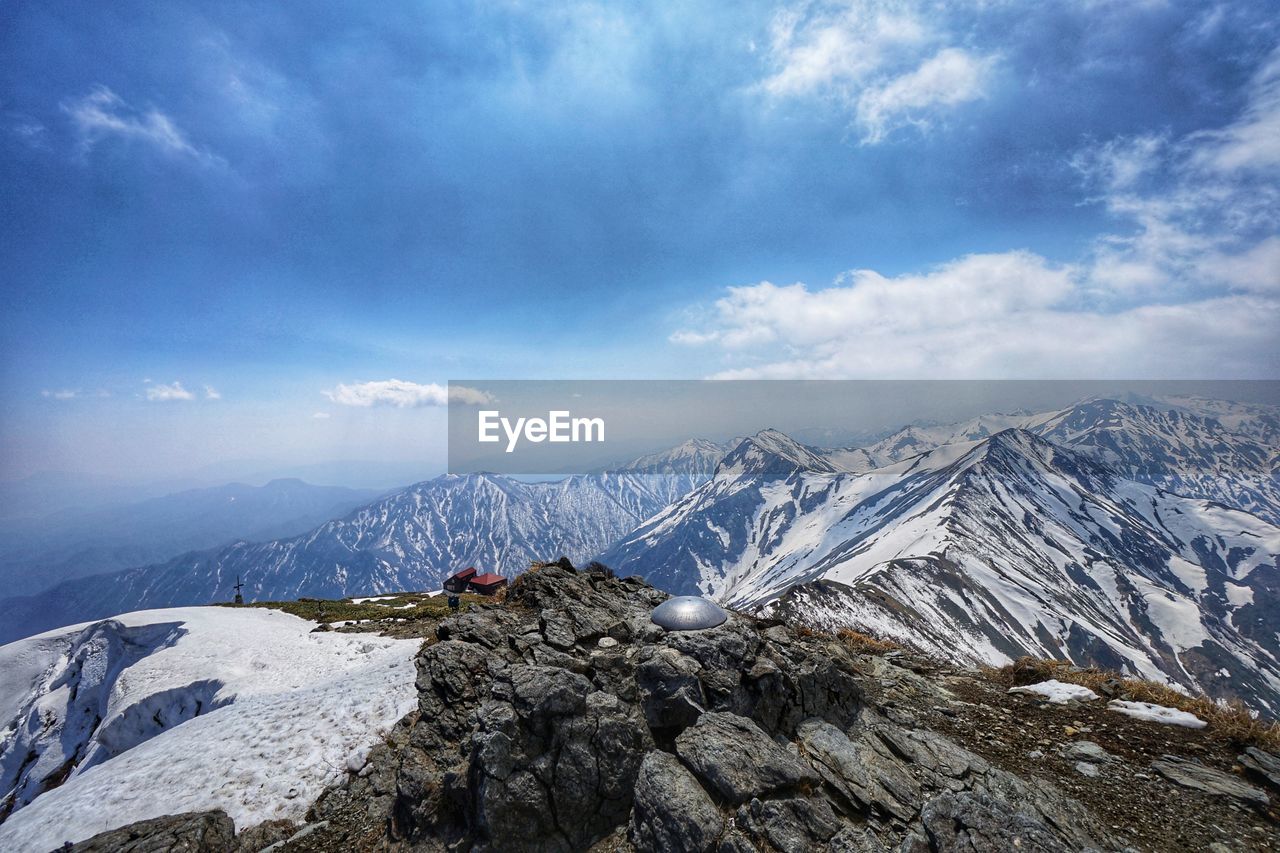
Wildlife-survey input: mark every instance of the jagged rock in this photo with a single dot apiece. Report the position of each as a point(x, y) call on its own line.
point(858, 772)
point(976, 823)
point(1266, 765)
point(737, 760)
point(192, 832)
point(1193, 774)
point(670, 689)
point(790, 824)
point(672, 811)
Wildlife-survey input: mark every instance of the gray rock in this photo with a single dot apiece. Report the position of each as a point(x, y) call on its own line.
point(1087, 750)
point(193, 832)
point(544, 691)
point(1266, 765)
point(859, 773)
point(976, 823)
point(1194, 775)
point(790, 824)
point(672, 811)
point(737, 760)
point(670, 690)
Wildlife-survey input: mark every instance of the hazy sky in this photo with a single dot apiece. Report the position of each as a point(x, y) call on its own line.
point(228, 226)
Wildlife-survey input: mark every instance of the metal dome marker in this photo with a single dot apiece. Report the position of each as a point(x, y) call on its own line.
point(688, 613)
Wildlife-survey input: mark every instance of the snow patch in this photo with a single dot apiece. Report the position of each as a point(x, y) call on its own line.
point(1058, 692)
point(1156, 713)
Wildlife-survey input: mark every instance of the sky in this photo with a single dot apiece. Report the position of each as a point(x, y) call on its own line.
point(268, 234)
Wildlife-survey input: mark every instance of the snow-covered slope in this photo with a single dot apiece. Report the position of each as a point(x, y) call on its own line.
point(167, 711)
point(1222, 451)
point(409, 540)
point(983, 551)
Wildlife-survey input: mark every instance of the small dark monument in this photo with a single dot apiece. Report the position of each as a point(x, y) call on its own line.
point(239, 586)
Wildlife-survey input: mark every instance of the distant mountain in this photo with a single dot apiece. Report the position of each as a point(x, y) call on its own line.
point(1227, 452)
point(409, 540)
point(982, 551)
point(37, 554)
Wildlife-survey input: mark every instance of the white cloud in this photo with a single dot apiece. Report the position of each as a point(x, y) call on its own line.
point(102, 113)
point(885, 64)
point(815, 50)
point(321, 416)
point(403, 395)
point(61, 394)
point(1253, 141)
point(211, 393)
point(161, 393)
point(1187, 286)
point(951, 77)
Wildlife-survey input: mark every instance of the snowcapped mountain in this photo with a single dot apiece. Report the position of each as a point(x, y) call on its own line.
point(1227, 452)
point(189, 709)
point(983, 551)
point(692, 463)
point(409, 540)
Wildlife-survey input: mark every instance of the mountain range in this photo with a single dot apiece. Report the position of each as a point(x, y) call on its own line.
point(38, 553)
point(1136, 534)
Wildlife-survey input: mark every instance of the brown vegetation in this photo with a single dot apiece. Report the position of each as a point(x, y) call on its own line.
point(1230, 721)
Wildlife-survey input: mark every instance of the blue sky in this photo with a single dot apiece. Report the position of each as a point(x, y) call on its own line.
point(220, 216)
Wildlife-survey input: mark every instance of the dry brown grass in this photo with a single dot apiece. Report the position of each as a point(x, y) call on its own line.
point(1230, 721)
point(865, 643)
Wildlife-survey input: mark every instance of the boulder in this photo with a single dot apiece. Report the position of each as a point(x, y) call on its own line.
point(738, 761)
point(672, 811)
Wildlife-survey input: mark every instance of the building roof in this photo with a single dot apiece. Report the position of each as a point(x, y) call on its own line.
point(464, 574)
point(487, 579)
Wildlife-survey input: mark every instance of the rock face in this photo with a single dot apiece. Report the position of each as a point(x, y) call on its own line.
point(534, 735)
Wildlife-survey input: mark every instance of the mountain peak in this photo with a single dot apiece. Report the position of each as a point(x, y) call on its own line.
point(772, 455)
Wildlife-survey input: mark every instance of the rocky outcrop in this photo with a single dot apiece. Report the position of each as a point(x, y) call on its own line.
point(564, 717)
point(196, 832)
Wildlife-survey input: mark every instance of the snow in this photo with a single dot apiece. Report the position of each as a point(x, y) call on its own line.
point(1156, 713)
point(292, 712)
point(1058, 692)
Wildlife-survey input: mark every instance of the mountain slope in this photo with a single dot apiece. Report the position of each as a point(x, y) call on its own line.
point(984, 551)
point(195, 708)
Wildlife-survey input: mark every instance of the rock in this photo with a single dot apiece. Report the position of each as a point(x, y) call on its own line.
point(1086, 768)
point(1193, 774)
point(670, 690)
point(738, 761)
point(976, 822)
point(1087, 751)
point(790, 824)
point(192, 832)
point(858, 772)
point(1265, 765)
point(544, 691)
point(672, 811)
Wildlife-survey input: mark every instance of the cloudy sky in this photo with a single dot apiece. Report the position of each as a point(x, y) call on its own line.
point(273, 231)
